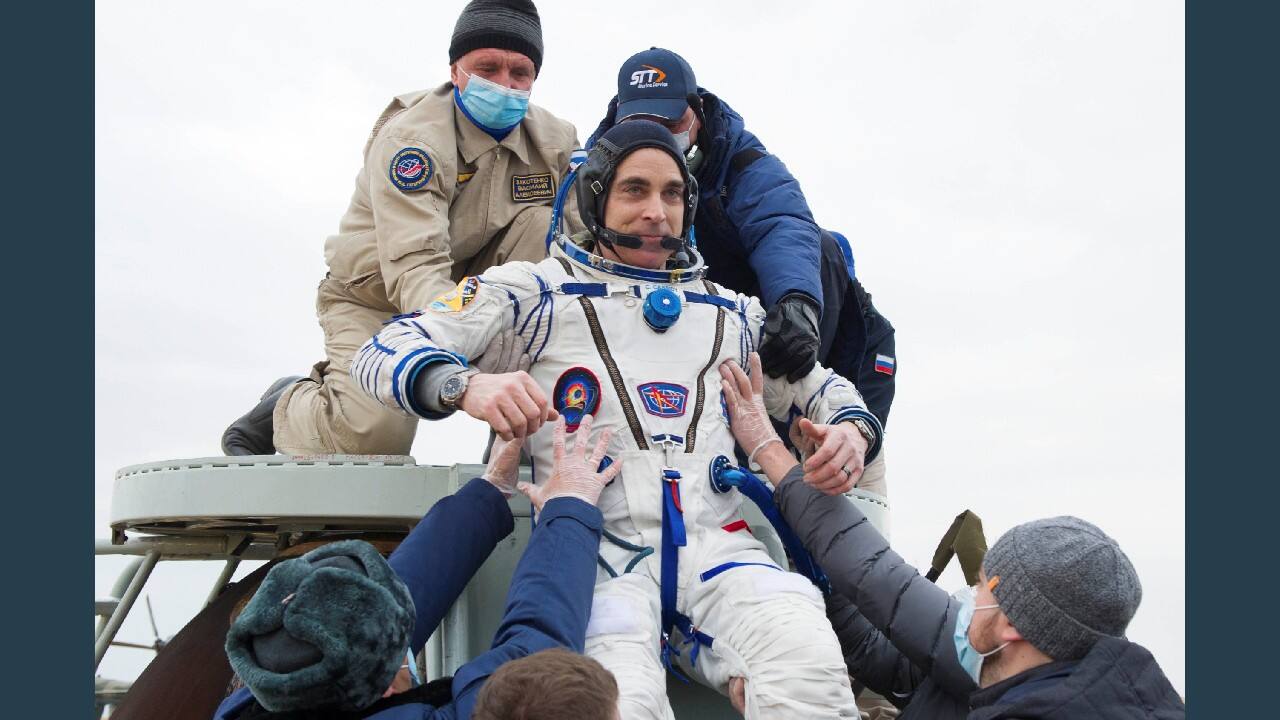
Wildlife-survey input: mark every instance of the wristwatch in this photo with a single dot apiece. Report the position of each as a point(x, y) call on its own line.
point(453, 388)
point(865, 428)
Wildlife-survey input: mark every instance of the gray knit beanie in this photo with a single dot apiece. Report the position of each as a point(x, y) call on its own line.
point(325, 630)
point(1063, 584)
point(503, 24)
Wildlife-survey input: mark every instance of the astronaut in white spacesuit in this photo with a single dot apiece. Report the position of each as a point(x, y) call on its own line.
point(619, 323)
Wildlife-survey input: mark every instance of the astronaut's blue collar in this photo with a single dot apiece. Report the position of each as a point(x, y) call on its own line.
point(692, 273)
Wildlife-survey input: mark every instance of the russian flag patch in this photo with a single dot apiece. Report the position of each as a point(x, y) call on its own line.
point(885, 364)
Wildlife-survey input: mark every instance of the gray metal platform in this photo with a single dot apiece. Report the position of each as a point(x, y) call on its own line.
point(267, 495)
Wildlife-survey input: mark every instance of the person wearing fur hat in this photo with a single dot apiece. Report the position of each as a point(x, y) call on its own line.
point(333, 633)
point(454, 180)
point(1042, 635)
point(621, 323)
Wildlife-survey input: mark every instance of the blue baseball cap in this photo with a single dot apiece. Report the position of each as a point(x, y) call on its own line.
point(655, 82)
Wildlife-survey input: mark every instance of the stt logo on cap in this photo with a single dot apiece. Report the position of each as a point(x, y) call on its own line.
point(655, 82)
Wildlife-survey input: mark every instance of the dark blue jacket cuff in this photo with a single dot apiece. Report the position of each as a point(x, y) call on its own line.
point(571, 507)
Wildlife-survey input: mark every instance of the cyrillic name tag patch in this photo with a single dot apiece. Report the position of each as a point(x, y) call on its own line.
point(527, 188)
point(411, 169)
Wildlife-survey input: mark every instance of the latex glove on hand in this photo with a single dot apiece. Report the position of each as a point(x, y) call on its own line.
point(790, 345)
point(837, 464)
point(504, 465)
point(744, 397)
point(574, 474)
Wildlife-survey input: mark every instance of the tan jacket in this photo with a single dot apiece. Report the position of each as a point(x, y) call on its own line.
point(435, 191)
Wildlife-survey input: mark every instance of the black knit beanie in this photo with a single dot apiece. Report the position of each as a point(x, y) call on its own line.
point(502, 24)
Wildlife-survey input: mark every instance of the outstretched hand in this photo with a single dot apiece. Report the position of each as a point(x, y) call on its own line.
point(504, 465)
point(744, 397)
point(836, 465)
point(574, 474)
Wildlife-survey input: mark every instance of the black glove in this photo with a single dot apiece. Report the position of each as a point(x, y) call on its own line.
point(790, 345)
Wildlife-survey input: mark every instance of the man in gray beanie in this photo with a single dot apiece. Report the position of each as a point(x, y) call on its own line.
point(1041, 636)
point(453, 181)
point(1061, 585)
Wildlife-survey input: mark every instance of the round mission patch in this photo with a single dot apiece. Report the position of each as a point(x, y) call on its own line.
point(577, 393)
point(411, 169)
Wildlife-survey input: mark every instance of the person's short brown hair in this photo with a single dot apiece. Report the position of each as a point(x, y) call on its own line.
point(549, 685)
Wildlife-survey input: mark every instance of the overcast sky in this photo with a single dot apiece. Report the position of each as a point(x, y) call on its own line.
point(1010, 175)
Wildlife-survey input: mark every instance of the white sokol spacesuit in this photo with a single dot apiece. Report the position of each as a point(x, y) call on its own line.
point(594, 330)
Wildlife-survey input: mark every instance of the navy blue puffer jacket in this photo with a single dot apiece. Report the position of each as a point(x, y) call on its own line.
point(753, 225)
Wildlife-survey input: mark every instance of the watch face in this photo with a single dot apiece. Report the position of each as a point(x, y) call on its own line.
point(452, 389)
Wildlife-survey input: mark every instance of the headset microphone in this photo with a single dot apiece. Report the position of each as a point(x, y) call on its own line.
point(609, 238)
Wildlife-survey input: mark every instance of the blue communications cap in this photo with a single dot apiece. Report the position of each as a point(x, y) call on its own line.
point(655, 82)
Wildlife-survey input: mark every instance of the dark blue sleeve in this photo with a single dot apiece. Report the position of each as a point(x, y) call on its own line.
point(233, 704)
point(549, 602)
point(446, 548)
point(605, 123)
point(775, 226)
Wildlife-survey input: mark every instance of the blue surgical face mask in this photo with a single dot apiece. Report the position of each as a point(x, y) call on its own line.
point(970, 658)
point(413, 667)
point(493, 106)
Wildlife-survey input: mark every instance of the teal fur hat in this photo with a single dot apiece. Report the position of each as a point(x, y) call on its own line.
point(325, 630)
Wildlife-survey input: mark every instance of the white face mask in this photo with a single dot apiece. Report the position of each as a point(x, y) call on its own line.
point(682, 141)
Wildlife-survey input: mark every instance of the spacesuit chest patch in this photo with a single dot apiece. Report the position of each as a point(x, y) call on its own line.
point(457, 298)
point(411, 169)
point(577, 393)
point(664, 399)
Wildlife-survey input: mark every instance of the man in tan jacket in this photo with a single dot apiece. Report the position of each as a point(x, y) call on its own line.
point(455, 180)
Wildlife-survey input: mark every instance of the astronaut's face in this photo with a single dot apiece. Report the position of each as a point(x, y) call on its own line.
point(645, 200)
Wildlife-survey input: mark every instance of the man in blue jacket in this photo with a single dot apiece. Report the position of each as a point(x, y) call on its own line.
point(757, 235)
point(333, 634)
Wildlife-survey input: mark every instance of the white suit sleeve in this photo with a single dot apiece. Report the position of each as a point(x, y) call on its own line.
point(822, 396)
point(452, 330)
